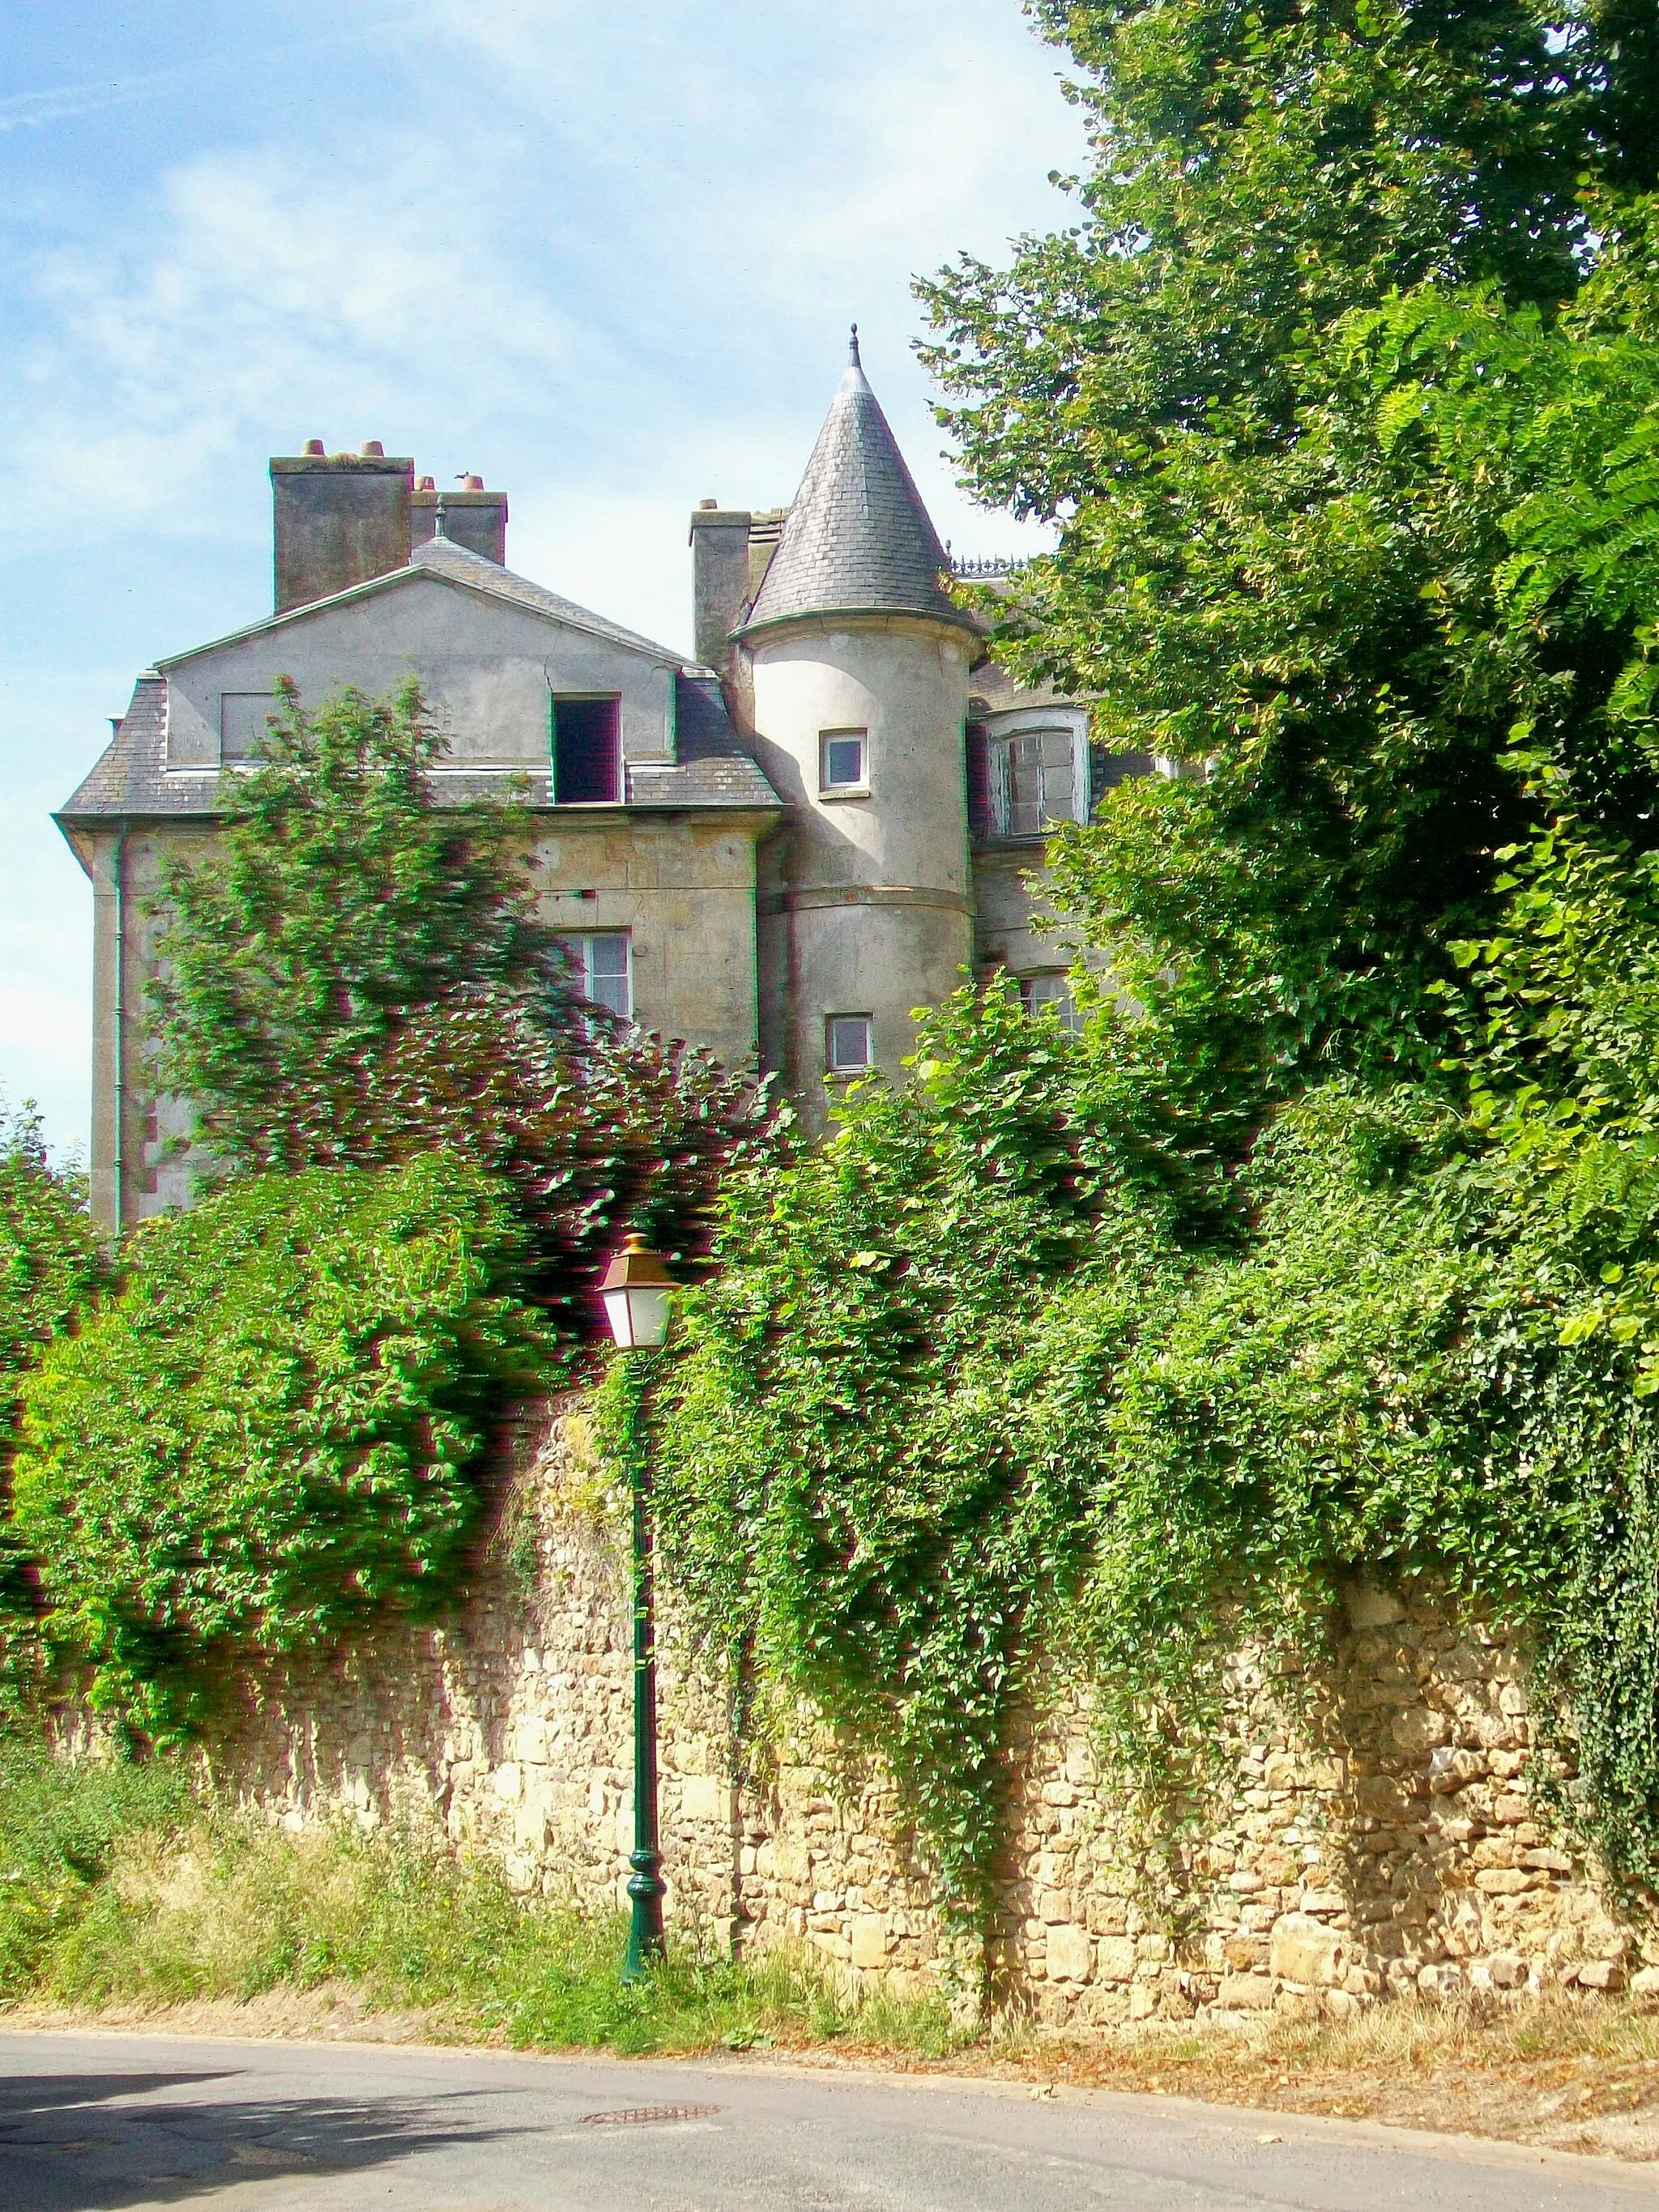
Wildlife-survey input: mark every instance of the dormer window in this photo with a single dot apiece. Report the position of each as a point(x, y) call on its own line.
point(1034, 781)
point(844, 763)
point(587, 752)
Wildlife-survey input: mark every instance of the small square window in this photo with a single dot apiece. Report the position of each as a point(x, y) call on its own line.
point(848, 1043)
point(843, 760)
point(600, 969)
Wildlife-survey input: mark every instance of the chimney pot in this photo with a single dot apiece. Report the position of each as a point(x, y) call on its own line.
point(427, 483)
point(313, 446)
point(706, 504)
point(471, 518)
point(372, 450)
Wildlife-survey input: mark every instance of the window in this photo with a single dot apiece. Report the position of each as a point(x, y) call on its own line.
point(242, 731)
point(1052, 988)
point(981, 821)
point(600, 968)
point(848, 1043)
point(1033, 781)
point(587, 752)
point(843, 760)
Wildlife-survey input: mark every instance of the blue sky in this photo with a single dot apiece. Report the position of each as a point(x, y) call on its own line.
point(605, 258)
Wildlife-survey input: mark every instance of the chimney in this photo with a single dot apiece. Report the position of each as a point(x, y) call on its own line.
point(340, 519)
point(765, 532)
point(719, 578)
point(472, 517)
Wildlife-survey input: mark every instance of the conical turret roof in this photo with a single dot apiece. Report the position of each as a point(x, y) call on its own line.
point(857, 539)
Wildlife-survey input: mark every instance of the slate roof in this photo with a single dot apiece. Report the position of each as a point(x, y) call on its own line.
point(712, 770)
point(858, 538)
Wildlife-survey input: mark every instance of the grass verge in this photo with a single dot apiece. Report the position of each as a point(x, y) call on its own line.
point(119, 1888)
point(123, 1896)
point(1572, 2073)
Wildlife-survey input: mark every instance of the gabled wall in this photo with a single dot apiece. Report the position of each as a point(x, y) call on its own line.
point(490, 671)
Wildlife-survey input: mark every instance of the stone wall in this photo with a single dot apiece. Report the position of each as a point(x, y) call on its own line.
point(1380, 1835)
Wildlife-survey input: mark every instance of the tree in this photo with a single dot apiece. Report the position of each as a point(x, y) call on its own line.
point(1258, 170)
point(1252, 573)
point(49, 1259)
point(358, 975)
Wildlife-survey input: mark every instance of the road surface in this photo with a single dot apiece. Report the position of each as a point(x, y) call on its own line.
point(94, 2121)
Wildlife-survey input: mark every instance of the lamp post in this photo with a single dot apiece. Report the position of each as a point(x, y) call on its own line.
point(636, 1290)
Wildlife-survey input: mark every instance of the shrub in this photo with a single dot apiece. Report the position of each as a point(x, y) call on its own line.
point(49, 1266)
point(61, 1827)
point(268, 1434)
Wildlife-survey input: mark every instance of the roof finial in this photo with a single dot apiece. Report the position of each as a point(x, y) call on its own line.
point(852, 350)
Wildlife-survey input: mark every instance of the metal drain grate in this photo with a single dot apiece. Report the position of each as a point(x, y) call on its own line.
point(639, 2116)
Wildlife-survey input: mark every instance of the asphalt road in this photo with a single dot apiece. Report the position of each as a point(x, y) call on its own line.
point(90, 2122)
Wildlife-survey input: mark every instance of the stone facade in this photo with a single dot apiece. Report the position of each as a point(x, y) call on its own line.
point(1377, 1834)
point(752, 899)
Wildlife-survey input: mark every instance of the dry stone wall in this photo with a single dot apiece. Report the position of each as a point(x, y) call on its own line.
point(1379, 1834)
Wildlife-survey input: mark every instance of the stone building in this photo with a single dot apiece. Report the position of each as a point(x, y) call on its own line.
point(776, 848)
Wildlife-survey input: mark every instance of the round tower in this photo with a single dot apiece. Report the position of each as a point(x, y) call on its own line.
point(858, 667)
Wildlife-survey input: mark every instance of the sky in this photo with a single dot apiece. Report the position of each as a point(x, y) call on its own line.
point(604, 257)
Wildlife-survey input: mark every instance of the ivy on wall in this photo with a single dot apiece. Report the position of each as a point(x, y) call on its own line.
point(1330, 1248)
point(869, 1465)
point(960, 1419)
point(49, 1258)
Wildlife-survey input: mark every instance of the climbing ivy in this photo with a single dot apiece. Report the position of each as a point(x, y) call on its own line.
point(964, 1416)
point(872, 1454)
point(49, 1260)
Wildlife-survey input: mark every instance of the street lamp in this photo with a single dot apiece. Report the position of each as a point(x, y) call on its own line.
point(637, 1290)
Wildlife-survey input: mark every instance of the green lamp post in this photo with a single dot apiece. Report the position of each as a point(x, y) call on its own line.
point(636, 1290)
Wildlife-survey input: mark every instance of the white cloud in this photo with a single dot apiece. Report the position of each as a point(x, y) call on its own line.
point(269, 293)
point(26, 110)
point(627, 236)
point(605, 256)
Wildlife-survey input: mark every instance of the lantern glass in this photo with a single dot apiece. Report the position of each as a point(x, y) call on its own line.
point(638, 1315)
